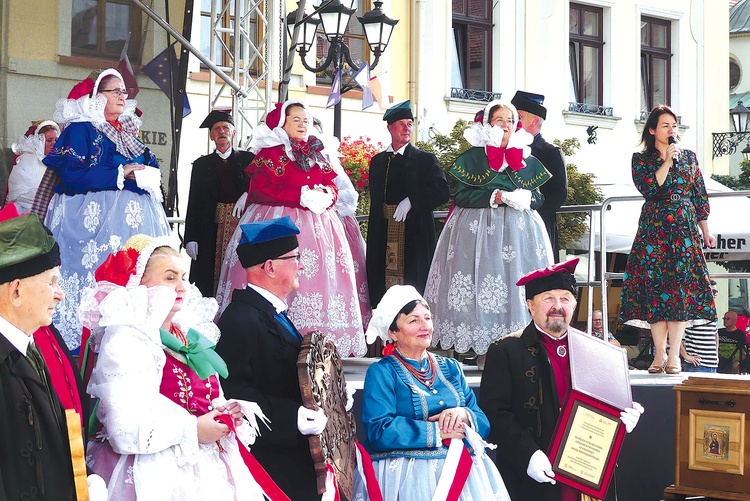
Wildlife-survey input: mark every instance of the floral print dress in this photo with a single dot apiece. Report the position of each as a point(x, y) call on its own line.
point(666, 278)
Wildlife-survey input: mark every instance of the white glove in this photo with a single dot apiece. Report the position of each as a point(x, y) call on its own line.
point(631, 415)
point(540, 469)
point(192, 250)
point(349, 397)
point(402, 210)
point(315, 199)
point(239, 207)
point(517, 199)
point(149, 179)
point(97, 488)
point(310, 422)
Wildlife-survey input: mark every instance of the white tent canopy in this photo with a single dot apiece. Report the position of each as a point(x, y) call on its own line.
point(729, 222)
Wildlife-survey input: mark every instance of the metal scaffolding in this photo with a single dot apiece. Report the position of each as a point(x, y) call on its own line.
point(241, 48)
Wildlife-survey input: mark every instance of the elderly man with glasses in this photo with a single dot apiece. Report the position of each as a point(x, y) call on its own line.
point(260, 346)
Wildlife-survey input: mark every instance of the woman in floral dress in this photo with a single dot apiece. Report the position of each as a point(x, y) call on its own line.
point(492, 237)
point(666, 281)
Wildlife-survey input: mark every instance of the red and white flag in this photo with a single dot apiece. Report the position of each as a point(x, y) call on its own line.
point(126, 70)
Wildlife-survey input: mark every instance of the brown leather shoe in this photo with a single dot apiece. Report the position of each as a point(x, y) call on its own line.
point(673, 369)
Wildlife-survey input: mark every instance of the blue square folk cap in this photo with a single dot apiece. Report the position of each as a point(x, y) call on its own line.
point(265, 240)
point(528, 101)
point(398, 112)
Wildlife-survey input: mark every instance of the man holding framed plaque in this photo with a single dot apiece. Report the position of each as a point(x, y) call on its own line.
point(526, 382)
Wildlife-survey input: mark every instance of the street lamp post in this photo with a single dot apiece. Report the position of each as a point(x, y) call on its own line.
point(725, 143)
point(334, 18)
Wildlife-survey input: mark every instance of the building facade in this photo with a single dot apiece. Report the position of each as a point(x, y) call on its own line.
point(600, 63)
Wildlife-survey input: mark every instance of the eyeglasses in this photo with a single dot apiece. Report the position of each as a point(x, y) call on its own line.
point(117, 92)
point(293, 256)
point(502, 121)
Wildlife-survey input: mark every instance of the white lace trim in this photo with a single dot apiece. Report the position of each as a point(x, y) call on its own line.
point(33, 144)
point(145, 255)
point(90, 109)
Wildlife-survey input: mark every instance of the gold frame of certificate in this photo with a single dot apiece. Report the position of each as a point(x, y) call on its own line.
point(586, 443)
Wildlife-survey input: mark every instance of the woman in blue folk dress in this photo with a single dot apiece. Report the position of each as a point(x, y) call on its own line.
point(414, 405)
point(666, 282)
point(109, 189)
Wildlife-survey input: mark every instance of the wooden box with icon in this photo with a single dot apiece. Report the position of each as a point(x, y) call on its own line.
point(711, 457)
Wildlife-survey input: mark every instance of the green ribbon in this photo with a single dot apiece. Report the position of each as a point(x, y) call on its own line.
point(199, 353)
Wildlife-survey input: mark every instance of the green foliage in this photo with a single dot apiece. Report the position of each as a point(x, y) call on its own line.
point(581, 188)
point(581, 191)
point(447, 148)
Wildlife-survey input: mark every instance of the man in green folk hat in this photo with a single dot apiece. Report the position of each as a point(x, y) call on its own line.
point(406, 185)
point(35, 460)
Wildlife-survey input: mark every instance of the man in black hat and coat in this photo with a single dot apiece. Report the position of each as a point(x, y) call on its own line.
point(532, 114)
point(526, 380)
point(218, 192)
point(260, 346)
point(406, 185)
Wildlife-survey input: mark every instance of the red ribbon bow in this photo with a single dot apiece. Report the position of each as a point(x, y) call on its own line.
point(496, 155)
point(118, 267)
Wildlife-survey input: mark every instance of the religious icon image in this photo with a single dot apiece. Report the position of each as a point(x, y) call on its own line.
point(715, 440)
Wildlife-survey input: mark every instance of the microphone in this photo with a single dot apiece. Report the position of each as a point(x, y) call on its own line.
point(672, 140)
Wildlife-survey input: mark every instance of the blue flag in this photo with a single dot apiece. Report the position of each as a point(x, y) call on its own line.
point(362, 77)
point(335, 97)
point(158, 70)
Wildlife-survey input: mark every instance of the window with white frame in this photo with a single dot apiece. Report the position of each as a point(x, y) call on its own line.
point(472, 44)
point(656, 62)
point(586, 56)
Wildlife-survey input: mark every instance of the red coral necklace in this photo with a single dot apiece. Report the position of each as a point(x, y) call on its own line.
point(425, 376)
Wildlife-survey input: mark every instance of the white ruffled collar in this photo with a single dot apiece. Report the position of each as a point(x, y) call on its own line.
point(91, 109)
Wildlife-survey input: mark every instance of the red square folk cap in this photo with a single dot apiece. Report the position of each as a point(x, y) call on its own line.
point(557, 276)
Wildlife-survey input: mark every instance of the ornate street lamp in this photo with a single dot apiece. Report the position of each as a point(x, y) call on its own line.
point(334, 19)
point(746, 152)
point(739, 116)
point(726, 143)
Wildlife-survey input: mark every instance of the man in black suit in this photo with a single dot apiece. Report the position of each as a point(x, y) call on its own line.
point(260, 346)
point(532, 114)
point(218, 192)
point(35, 461)
point(406, 185)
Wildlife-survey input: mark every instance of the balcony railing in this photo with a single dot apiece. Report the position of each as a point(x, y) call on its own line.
point(474, 95)
point(590, 109)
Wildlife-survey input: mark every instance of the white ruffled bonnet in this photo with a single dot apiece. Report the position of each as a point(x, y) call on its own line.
point(383, 316)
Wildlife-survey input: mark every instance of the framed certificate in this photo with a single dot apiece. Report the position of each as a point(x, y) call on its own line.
point(586, 443)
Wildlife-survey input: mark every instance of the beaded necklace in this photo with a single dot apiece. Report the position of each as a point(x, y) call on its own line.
point(424, 376)
point(176, 332)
